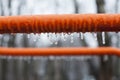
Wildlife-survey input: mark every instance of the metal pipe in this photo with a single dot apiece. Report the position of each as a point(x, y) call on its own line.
point(59, 51)
point(60, 23)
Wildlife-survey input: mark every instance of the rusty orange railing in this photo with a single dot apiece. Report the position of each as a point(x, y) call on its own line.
point(60, 23)
point(57, 24)
point(59, 51)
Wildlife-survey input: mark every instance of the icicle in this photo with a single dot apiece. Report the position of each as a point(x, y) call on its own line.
point(64, 36)
point(78, 35)
point(38, 38)
point(81, 35)
point(13, 34)
point(39, 58)
point(71, 38)
point(36, 35)
point(51, 57)
point(95, 35)
point(50, 36)
point(69, 33)
point(1, 35)
point(103, 37)
point(32, 34)
point(28, 36)
point(56, 38)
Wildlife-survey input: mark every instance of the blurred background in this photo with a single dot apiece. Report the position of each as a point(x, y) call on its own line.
point(59, 68)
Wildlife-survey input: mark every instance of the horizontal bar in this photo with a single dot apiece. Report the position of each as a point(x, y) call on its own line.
point(59, 51)
point(60, 23)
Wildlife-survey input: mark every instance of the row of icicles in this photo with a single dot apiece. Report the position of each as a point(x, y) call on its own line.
point(34, 58)
point(50, 58)
point(54, 37)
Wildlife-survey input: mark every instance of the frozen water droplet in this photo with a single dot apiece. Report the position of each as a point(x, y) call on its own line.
point(69, 33)
point(103, 37)
point(56, 42)
point(36, 35)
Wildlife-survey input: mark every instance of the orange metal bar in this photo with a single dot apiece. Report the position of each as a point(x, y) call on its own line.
point(58, 51)
point(60, 23)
